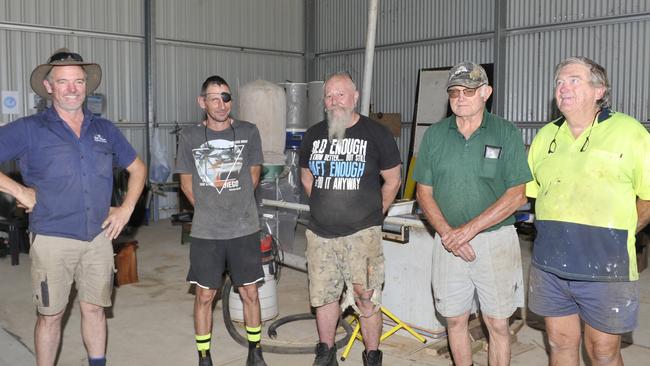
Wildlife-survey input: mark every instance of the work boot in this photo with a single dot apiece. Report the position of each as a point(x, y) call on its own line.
point(372, 358)
point(325, 356)
point(255, 355)
point(204, 358)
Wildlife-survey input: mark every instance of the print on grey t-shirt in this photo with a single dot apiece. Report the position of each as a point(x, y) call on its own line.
point(218, 164)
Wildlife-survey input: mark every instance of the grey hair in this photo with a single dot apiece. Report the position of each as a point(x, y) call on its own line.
point(598, 76)
point(342, 74)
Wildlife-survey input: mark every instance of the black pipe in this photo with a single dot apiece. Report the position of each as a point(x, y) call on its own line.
point(301, 349)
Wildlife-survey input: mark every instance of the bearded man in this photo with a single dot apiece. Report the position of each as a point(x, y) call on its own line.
point(343, 161)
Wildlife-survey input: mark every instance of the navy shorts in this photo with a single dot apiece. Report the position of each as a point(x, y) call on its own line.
point(240, 257)
point(610, 307)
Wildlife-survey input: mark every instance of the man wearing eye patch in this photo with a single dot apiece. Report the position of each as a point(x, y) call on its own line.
point(66, 157)
point(219, 162)
point(591, 170)
point(471, 172)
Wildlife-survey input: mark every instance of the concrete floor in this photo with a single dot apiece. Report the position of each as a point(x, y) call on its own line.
point(151, 321)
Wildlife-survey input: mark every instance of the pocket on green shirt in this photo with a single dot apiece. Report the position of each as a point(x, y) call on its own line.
point(489, 168)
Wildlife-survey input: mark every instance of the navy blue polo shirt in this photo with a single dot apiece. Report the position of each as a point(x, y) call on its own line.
point(73, 177)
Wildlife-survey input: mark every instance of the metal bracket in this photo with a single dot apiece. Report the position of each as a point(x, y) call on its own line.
point(401, 236)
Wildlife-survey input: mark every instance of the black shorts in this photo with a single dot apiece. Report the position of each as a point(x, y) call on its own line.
point(210, 258)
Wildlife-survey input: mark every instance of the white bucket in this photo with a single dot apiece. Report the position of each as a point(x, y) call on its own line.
point(268, 299)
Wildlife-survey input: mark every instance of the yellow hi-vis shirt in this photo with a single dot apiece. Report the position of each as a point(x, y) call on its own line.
point(586, 190)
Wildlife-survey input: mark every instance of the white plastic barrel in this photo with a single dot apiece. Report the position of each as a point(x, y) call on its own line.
point(268, 295)
point(265, 104)
point(296, 105)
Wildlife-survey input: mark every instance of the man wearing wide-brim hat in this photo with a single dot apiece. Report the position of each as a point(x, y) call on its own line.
point(66, 157)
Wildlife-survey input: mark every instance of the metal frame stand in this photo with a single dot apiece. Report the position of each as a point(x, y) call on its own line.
point(398, 325)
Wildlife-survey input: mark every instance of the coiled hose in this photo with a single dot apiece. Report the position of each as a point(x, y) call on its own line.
point(272, 331)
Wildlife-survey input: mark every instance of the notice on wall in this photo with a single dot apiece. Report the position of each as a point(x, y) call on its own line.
point(11, 103)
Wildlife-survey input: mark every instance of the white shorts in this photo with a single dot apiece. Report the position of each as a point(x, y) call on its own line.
point(495, 276)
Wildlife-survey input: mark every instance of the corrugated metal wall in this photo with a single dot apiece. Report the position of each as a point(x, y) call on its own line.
point(242, 41)
point(621, 46)
point(109, 33)
point(275, 25)
point(523, 14)
point(249, 39)
point(239, 40)
point(410, 35)
point(429, 34)
point(115, 16)
point(341, 24)
point(396, 69)
point(191, 65)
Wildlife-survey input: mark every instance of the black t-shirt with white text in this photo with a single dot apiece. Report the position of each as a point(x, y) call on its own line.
point(346, 191)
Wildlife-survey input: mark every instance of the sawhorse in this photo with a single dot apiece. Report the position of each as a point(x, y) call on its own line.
point(398, 325)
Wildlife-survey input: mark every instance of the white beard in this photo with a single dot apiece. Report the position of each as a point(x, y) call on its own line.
point(338, 123)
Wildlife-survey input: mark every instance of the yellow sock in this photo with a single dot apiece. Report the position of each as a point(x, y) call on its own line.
point(203, 342)
point(254, 334)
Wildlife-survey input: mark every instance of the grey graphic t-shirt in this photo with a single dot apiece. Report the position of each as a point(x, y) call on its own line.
point(219, 162)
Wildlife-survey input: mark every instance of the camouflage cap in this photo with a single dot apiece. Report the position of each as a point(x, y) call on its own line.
point(467, 74)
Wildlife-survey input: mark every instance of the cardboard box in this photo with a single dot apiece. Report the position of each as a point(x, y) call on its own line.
point(391, 120)
point(126, 262)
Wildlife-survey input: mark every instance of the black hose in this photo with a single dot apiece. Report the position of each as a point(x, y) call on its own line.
point(298, 349)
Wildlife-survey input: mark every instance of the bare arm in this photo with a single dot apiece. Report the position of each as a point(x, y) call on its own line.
point(186, 187)
point(512, 198)
point(307, 179)
point(256, 171)
point(435, 217)
point(25, 196)
point(392, 182)
point(118, 217)
point(643, 213)
point(429, 206)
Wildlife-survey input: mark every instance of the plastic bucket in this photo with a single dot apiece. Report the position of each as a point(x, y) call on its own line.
point(267, 292)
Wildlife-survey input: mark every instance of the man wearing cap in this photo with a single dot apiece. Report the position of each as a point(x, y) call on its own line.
point(471, 172)
point(592, 188)
point(66, 157)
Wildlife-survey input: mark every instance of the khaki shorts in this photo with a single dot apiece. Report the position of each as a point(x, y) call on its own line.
point(495, 276)
point(335, 262)
point(57, 262)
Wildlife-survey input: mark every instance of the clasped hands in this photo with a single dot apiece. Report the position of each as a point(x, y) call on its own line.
point(456, 241)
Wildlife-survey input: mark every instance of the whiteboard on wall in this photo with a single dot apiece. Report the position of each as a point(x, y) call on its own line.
point(431, 103)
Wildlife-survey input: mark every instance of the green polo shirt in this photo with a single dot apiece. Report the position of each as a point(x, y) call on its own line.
point(586, 197)
point(468, 176)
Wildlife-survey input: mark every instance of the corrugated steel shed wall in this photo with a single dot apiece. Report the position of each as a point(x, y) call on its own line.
point(31, 30)
point(114, 16)
point(524, 13)
point(190, 66)
point(341, 24)
point(395, 73)
point(270, 24)
point(410, 35)
point(428, 34)
point(242, 41)
point(238, 40)
point(623, 48)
